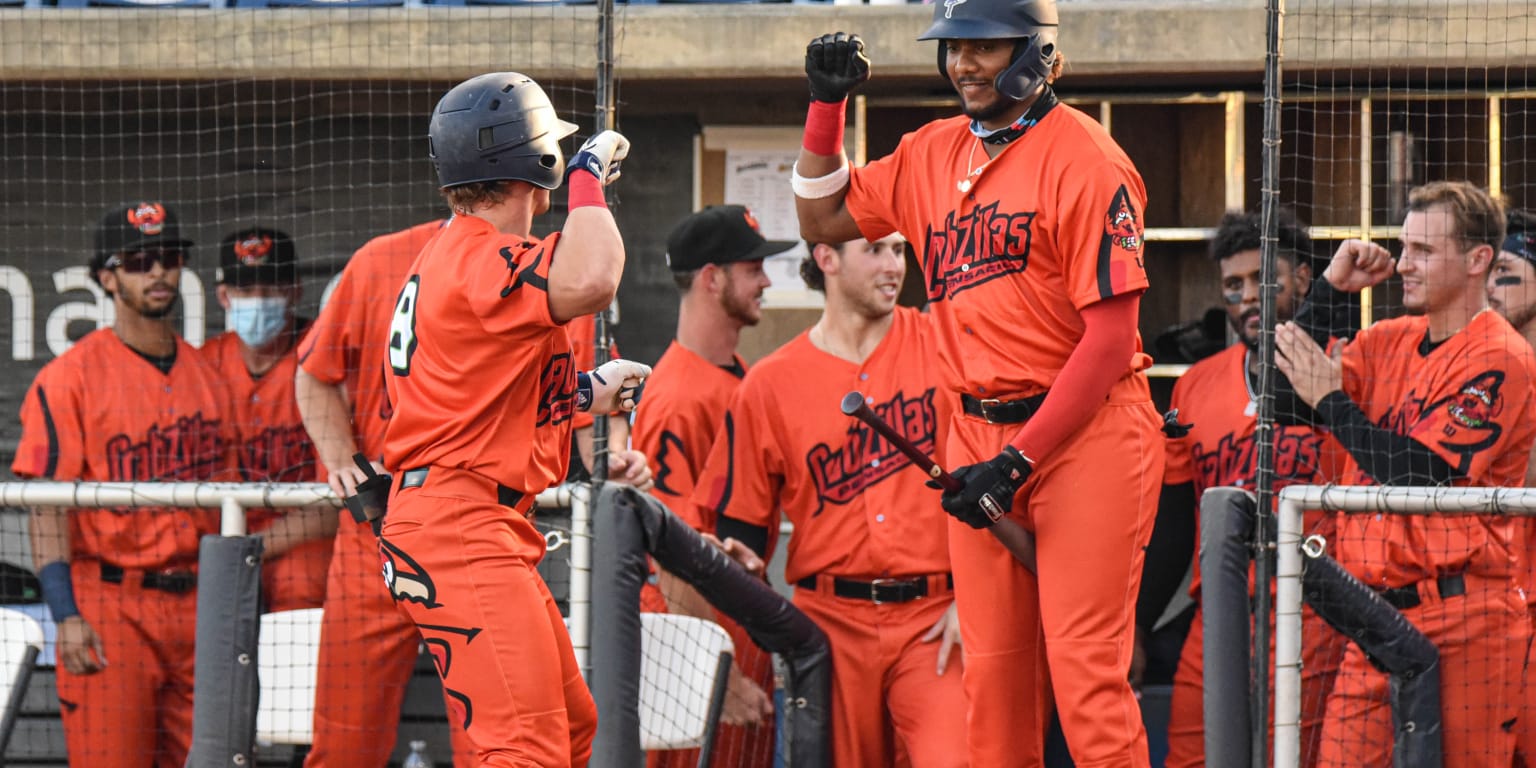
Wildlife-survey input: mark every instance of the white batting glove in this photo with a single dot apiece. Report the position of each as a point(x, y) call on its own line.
point(614, 386)
point(600, 156)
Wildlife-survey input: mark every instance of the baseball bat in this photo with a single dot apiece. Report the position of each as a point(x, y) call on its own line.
point(1018, 541)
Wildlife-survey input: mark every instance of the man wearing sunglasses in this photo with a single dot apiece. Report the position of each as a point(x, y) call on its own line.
point(133, 402)
point(258, 288)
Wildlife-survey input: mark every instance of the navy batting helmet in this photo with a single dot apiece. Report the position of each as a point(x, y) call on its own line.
point(495, 127)
point(1030, 23)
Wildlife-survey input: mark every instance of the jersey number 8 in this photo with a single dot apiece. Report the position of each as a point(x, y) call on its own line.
point(402, 328)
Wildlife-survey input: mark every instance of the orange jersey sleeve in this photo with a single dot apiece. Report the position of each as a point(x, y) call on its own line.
point(675, 426)
point(1469, 399)
point(481, 376)
point(1052, 224)
point(343, 346)
point(858, 505)
point(102, 413)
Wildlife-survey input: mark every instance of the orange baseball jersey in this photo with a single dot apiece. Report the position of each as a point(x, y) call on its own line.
point(481, 376)
point(858, 506)
point(1221, 449)
point(1051, 225)
point(583, 333)
point(343, 345)
point(273, 444)
point(1469, 400)
point(102, 413)
point(676, 423)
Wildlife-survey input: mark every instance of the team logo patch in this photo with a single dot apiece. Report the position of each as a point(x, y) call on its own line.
point(148, 218)
point(253, 250)
point(1479, 401)
point(949, 6)
point(1121, 225)
point(405, 579)
point(751, 220)
point(865, 458)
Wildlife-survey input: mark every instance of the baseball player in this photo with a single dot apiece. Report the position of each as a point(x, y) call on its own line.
point(133, 402)
point(368, 646)
point(1512, 293)
point(1027, 220)
point(869, 554)
point(1439, 397)
point(716, 257)
point(258, 286)
point(483, 387)
point(1217, 397)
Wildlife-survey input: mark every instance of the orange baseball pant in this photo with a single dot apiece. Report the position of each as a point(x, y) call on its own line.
point(296, 578)
point(1525, 727)
point(1482, 637)
point(368, 651)
point(137, 711)
point(1091, 504)
point(736, 746)
point(464, 568)
point(1322, 650)
point(887, 698)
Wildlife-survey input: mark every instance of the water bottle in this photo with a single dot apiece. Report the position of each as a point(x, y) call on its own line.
point(418, 757)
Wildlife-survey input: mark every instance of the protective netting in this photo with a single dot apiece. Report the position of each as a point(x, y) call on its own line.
point(1407, 126)
point(309, 122)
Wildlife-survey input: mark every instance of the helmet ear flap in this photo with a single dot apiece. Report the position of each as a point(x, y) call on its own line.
point(1033, 58)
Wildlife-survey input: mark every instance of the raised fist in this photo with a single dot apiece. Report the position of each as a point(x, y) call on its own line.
point(835, 64)
point(1358, 265)
point(613, 386)
point(600, 156)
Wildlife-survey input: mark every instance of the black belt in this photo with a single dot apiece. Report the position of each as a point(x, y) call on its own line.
point(996, 411)
point(415, 478)
point(175, 582)
point(1403, 598)
point(902, 590)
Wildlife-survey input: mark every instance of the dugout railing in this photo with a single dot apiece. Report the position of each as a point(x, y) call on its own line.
point(224, 699)
point(1293, 548)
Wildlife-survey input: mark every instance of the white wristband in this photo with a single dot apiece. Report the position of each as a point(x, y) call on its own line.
point(817, 188)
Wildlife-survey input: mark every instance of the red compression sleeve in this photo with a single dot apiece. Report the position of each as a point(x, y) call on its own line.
point(584, 189)
point(824, 127)
point(1100, 359)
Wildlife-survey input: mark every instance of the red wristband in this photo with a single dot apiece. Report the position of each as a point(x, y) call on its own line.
point(824, 127)
point(583, 190)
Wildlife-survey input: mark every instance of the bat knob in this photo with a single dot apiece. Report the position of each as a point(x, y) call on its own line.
point(852, 402)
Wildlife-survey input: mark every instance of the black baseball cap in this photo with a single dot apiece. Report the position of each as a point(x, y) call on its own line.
point(134, 227)
point(257, 256)
point(720, 234)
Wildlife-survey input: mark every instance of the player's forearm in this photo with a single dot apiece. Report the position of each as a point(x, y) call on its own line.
point(1328, 313)
point(49, 528)
point(1099, 360)
point(1388, 457)
point(295, 528)
point(324, 411)
point(824, 218)
point(588, 262)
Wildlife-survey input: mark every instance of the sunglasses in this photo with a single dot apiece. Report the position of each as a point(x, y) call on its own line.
point(139, 262)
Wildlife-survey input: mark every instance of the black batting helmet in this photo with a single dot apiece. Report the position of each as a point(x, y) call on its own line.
point(494, 127)
point(1031, 24)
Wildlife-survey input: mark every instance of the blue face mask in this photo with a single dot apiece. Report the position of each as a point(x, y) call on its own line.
point(257, 320)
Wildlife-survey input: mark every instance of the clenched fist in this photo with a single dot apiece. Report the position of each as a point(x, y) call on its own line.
point(600, 156)
point(835, 64)
point(1358, 265)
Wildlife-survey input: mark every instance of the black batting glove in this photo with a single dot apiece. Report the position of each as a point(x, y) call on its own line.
point(835, 64)
point(989, 488)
